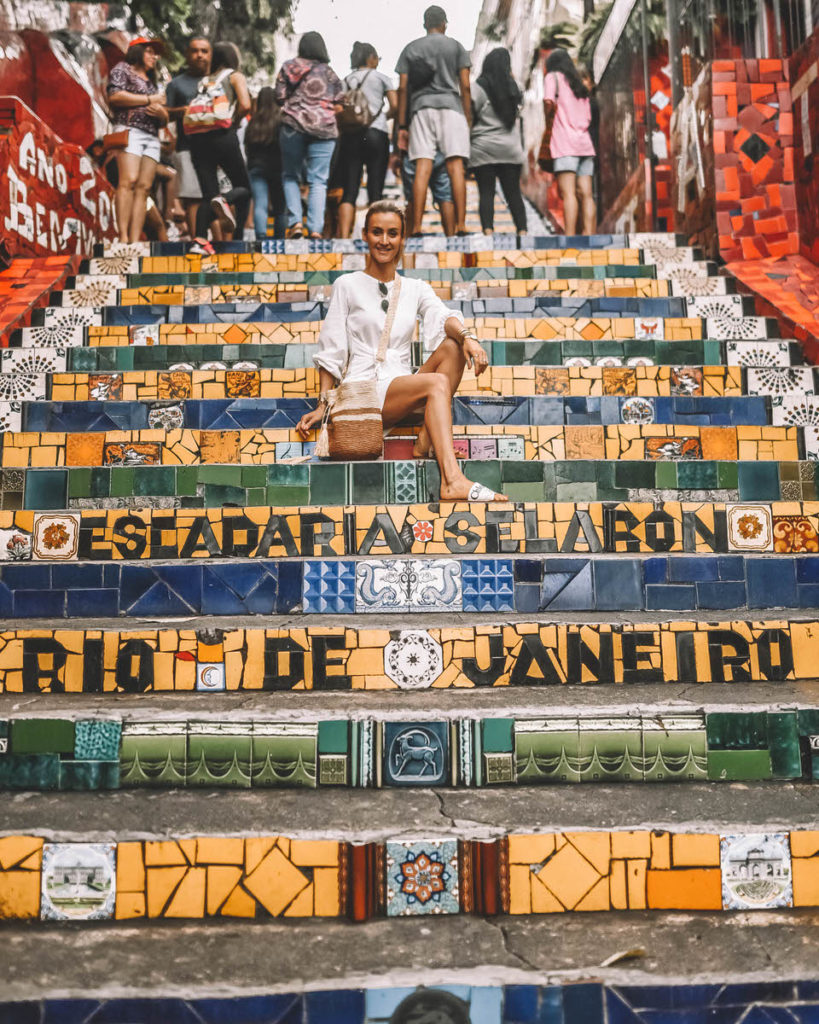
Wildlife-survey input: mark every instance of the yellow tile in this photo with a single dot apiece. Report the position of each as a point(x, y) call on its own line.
point(595, 847)
point(14, 849)
point(160, 884)
point(325, 883)
point(660, 850)
point(130, 869)
point(239, 904)
point(520, 892)
point(695, 850)
point(568, 875)
point(630, 844)
point(189, 898)
point(636, 883)
point(803, 843)
point(129, 905)
point(544, 901)
point(532, 849)
point(161, 853)
point(219, 850)
point(276, 882)
point(597, 898)
point(222, 880)
point(805, 872)
point(19, 894)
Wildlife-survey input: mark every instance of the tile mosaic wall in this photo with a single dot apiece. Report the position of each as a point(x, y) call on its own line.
point(602, 745)
point(315, 658)
point(571, 1003)
point(520, 873)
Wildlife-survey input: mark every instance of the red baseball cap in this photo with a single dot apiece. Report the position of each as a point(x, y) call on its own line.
point(155, 44)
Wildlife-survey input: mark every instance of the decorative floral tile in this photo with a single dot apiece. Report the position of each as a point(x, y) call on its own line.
point(686, 380)
point(56, 536)
point(401, 585)
point(775, 380)
point(759, 353)
point(413, 661)
point(794, 534)
point(749, 527)
point(83, 317)
point(693, 281)
point(15, 545)
point(723, 306)
point(422, 878)
point(794, 411)
point(122, 264)
point(746, 327)
point(11, 417)
point(756, 871)
point(16, 387)
point(435, 585)
point(78, 881)
point(416, 753)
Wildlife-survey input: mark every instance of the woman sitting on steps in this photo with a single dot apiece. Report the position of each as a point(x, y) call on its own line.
point(350, 336)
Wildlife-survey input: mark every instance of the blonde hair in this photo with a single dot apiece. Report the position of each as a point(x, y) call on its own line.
point(389, 206)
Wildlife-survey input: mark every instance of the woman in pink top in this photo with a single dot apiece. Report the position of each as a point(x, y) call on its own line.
point(571, 143)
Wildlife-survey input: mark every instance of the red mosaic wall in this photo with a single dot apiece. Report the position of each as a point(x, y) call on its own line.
point(52, 200)
point(804, 65)
point(753, 159)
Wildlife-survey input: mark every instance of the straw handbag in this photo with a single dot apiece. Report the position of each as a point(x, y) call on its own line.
point(352, 426)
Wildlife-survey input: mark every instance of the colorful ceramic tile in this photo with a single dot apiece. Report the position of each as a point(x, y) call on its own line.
point(422, 877)
point(413, 660)
point(756, 871)
point(750, 527)
point(78, 881)
point(56, 536)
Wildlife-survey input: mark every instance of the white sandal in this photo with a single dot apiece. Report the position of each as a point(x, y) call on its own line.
point(477, 492)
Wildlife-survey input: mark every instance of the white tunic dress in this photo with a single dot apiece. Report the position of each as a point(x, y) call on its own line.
point(354, 322)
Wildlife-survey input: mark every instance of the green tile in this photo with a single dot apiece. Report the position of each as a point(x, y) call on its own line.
point(122, 482)
point(187, 478)
point(808, 721)
point(549, 755)
point(522, 472)
point(737, 730)
point(46, 488)
point(100, 482)
point(727, 475)
point(783, 743)
point(29, 771)
point(497, 735)
point(487, 473)
point(328, 484)
point(215, 494)
point(638, 474)
point(524, 492)
point(79, 482)
point(611, 754)
point(42, 736)
point(333, 737)
point(226, 476)
point(697, 476)
point(739, 765)
point(158, 481)
point(665, 475)
point(368, 483)
point(254, 476)
point(257, 496)
point(89, 775)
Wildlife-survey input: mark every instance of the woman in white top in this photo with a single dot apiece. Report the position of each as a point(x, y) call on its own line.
point(350, 337)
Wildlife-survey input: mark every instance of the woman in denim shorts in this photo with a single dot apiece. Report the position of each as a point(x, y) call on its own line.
point(571, 143)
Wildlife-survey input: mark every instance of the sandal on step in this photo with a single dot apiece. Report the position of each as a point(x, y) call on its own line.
point(477, 492)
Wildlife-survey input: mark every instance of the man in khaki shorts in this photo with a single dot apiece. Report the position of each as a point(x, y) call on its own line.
point(434, 83)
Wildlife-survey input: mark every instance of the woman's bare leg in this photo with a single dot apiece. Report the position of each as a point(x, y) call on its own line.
point(128, 171)
point(433, 391)
point(567, 184)
point(448, 359)
point(588, 209)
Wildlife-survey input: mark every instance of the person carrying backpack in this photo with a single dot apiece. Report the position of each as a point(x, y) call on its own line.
point(364, 138)
point(310, 95)
point(434, 72)
point(210, 124)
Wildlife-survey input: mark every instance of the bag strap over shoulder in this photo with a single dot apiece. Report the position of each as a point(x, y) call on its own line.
point(385, 334)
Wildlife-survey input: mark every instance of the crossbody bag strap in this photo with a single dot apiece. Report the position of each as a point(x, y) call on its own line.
point(385, 334)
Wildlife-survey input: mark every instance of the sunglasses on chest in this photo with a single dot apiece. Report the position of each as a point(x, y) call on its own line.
point(382, 288)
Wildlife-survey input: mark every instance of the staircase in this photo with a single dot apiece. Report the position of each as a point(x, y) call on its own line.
point(246, 643)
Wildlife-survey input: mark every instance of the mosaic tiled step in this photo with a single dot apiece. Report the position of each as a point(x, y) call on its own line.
point(174, 748)
point(476, 243)
point(399, 482)
point(187, 447)
point(242, 413)
point(592, 1002)
point(699, 279)
point(412, 529)
point(118, 353)
point(523, 872)
point(340, 586)
point(591, 298)
point(458, 657)
point(237, 323)
point(597, 381)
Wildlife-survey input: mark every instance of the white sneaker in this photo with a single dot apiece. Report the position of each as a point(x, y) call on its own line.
point(223, 212)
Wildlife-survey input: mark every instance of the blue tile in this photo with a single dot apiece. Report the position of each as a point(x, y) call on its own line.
point(329, 586)
point(655, 570)
point(666, 597)
point(527, 570)
point(771, 582)
point(807, 569)
point(146, 1011)
point(416, 753)
point(66, 1011)
point(281, 1009)
point(520, 1004)
point(582, 1004)
point(91, 603)
point(75, 574)
point(20, 1013)
point(618, 584)
point(340, 1007)
point(731, 567)
point(39, 604)
point(721, 595)
point(488, 585)
point(668, 997)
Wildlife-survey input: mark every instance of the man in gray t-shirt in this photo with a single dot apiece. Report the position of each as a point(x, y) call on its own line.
point(434, 83)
